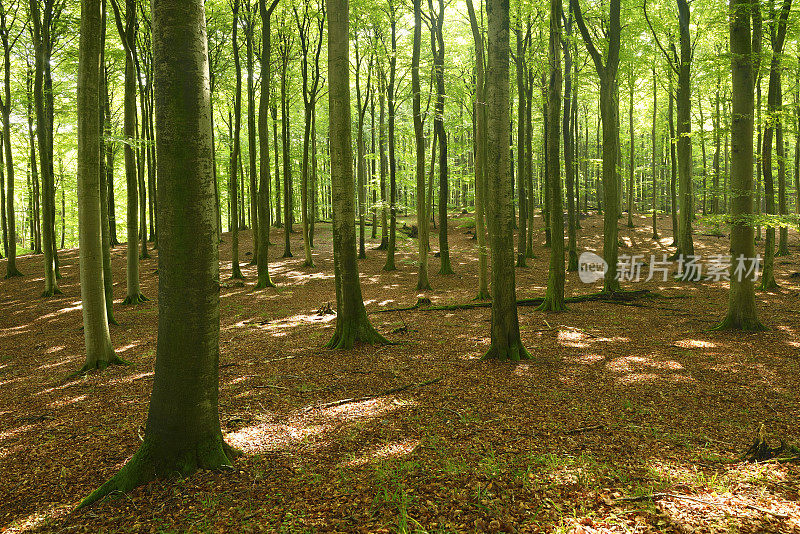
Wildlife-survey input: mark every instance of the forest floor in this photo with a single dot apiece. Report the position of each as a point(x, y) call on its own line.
point(617, 401)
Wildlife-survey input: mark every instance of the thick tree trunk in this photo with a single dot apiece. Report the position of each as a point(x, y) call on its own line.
point(183, 431)
point(742, 313)
point(505, 337)
point(352, 324)
point(99, 352)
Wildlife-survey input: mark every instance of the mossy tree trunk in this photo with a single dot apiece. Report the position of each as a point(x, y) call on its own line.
point(183, 431)
point(742, 313)
point(506, 342)
point(352, 324)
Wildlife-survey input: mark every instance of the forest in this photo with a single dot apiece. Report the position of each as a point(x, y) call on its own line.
point(400, 266)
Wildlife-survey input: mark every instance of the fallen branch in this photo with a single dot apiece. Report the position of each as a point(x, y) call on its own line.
point(617, 297)
point(392, 391)
point(654, 496)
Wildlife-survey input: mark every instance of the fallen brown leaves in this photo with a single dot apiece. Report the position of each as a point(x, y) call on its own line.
point(618, 402)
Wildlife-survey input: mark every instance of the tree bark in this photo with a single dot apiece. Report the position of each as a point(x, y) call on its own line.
point(505, 338)
point(99, 352)
point(423, 284)
point(352, 324)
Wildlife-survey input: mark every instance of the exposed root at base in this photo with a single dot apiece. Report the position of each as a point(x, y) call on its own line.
point(135, 299)
point(513, 353)
point(99, 365)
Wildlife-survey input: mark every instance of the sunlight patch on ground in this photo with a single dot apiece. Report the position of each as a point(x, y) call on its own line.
point(131, 378)
point(74, 306)
point(55, 364)
point(270, 437)
point(10, 331)
point(694, 344)
point(66, 402)
point(584, 359)
point(279, 326)
point(390, 450)
point(36, 519)
point(8, 434)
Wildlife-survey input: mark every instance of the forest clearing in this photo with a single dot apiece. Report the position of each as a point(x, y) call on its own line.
point(617, 401)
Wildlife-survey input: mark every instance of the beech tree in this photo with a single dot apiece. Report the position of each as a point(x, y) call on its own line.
point(183, 431)
point(352, 323)
point(506, 342)
point(419, 139)
point(742, 313)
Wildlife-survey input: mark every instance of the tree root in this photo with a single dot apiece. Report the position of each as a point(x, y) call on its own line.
point(264, 284)
point(13, 273)
point(99, 365)
point(514, 353)
point(350, 332)
point(52, 293)
point(154, 460)
point(133, 300)
point(730, 322)
point(760, 451)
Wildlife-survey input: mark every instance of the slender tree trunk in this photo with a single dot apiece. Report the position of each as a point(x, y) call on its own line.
point(521, 156)
point(423, 283)
point(673, 196)
point(278, 211)
point(655, 154)
point(236, 122)
point(631, 167)
point(285, 136)
point(569, 153)
point(481, 118)
point(105, 137)
point(11, 239)
point(262, 208)
point(684, 131)
point(41, 39)
point(438, 125)
point(384, 163)
point(390, 89)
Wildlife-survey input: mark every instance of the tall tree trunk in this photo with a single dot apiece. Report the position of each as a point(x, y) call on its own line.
point(285, 137)
point(505, 337)
point(236, 123)
point(529, 160)
point(263, 208)
point(419, 138)
point(278, 211)
point(5, 103)
point(438, 125)
point(774, 110)
point(521, 156)
point(183, 431)
point(742, 314)
point(554, 295)
point(384, 163)
point(569, 151)
point(390, 96)
point(423, 225)
point(632, 164)
point(655, 154)
point(41, 32)
point(352, 323)
point(105, 138)
point(684, 132)
point(99, 352)
point(109, 167)
point(251, 129)
point(673, 195)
